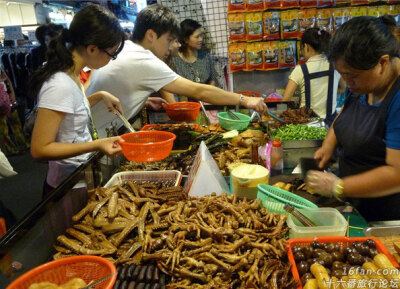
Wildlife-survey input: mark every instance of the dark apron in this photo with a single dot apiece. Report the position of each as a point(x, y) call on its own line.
point(307, 85)
point(360, 132)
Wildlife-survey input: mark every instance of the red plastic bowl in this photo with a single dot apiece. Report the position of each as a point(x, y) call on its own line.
point(147, 146)
point(183, 111)
point(88, 268)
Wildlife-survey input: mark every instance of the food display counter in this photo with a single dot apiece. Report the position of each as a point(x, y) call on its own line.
point(149, 221)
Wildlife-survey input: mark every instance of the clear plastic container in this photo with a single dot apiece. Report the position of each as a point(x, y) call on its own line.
point(330, 222)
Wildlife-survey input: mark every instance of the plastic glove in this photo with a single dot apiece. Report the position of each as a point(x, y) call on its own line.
point(322, 183)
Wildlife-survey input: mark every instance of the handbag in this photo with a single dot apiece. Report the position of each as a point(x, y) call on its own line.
point(5, 104)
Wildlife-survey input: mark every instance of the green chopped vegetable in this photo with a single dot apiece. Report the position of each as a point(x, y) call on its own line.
point(299, 132)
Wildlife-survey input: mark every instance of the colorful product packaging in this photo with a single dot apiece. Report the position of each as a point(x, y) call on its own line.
point(373, 11)
point(358, 11)
point(236, 5)
point(289, 24)
point(325, 3)
point(254, 26)
point(273, 4)
point(237, 30)
point(300, 56)
point(254, 56)
point(359, 2)
point(271, 25)
point(255, 5)
point(339, 2)
point(270, 55)
point(324, 19)
point(237, 56)
point(340, 16)
point(384, 9)
point(290, 4)
point(306, 20)
point(287, 52)
point(308, 3)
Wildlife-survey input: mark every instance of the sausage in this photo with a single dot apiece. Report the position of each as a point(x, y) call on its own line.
point(122, 274)
point(135, 273)
point(149, 273)
point(311, 284)
point(124, 285)
point(140, 286)
point(156, 274)
point(148, 286)
point(116, 284)
point(119, 269)
point(132, 285)
point(131, 269)
point(156, 286)
point(321, 275)
point(162, 279)
point(142, 273)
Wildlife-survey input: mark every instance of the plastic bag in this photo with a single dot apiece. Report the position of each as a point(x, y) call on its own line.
point(6, 170)
point(236, 5)
point(237, 30)
point(306, 20)
point(254, 26)
point(289, 24)
point(271, 55)
point(237, 56)
point(254, 56)
point(271, 26)
point(287, 52)
point(255, 5)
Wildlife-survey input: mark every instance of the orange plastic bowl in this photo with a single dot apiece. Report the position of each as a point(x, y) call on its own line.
point(88, 268)
point(147, 146)
point(183, 111)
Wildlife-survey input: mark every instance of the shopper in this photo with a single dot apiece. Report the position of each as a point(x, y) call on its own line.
point(193, 62)
point(140, 71)
point(62, 128)
point(367, 131)
point(12, 139)
point(316, 79)
point(38, 54)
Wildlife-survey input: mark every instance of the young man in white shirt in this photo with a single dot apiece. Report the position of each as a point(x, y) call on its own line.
point(140, 70)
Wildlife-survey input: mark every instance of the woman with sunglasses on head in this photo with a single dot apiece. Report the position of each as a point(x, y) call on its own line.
point(63, 129)
point(367, 130)
point(316, 79)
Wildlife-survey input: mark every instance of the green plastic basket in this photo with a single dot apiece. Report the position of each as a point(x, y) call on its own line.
point(274, 199)
point(230, 124)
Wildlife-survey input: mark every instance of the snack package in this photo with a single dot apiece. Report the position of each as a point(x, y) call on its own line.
point(359, 2)
point(394, 10)
point(289, 24)
point(373, 11)
point(289, 4)
point(384, 9)
point(324, 19)
point(271, 25)
point(325, 3)
point(308, 3)
point(255, 5)
point(254, 26)
point(300, 56)
point(237, 30)
point(306, 20)
point(271, 55)
point(287, 52)
point(254, 55)
point(237, 56)
point(273, 4)
point(236, 5)
point(340, 16)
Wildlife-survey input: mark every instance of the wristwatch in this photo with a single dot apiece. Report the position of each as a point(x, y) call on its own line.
point(338, 193)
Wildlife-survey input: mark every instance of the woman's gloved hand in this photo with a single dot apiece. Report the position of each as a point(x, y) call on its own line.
point(322, 183)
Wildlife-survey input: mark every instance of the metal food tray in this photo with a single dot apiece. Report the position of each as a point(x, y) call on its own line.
point(297, 144)
point(382, 231)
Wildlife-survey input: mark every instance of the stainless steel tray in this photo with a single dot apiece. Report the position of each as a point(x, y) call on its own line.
point(382, 231)
point(299, 144)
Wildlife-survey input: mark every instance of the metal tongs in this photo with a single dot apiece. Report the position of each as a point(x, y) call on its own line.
point(125, 121)
point(98, 281)
point(275, 117)
point(205, 112)
point(232, 115)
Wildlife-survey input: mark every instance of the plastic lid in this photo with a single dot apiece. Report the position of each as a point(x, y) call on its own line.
point(276, 143)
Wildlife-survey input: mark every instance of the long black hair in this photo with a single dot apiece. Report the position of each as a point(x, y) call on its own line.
point(362, 41)
point(317, 38)
point(188, 27)
point(92, 25)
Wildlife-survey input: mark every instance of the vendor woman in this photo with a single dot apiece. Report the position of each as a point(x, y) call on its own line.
point(62, 131)
point(367, 131)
